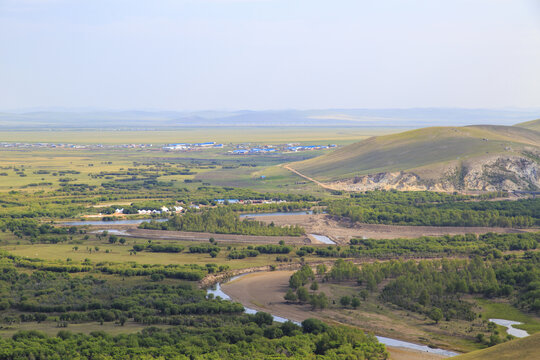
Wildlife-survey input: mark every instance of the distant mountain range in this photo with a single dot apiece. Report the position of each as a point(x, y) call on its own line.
point(406, 118)
point(478, 157)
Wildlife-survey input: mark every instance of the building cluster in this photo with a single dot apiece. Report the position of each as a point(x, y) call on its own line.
point(164, 210)
point(253, 151)
point(195, 146)
point(248, 201)
point(72, 146)
point(244, 149)
point(309, 147)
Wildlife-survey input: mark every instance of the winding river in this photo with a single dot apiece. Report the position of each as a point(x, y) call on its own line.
point(509, 329)
point(217, 291)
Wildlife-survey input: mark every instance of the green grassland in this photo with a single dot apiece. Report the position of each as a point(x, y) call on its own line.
point(25, 168)
point(78, 250)
point(526, 348)
point(37, 169)
point(500, 310)
point(533, 125)
point(417, 150)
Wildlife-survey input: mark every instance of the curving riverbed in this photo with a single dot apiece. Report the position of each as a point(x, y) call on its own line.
point(216, 290)
point(509, 328)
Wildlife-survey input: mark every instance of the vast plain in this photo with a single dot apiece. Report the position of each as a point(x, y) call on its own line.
point(113, 234)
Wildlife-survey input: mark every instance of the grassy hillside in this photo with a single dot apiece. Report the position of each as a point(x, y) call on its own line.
point(426, 147)
point(533, 125)
point(526, 348)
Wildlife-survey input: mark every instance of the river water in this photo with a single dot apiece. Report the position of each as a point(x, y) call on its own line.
point(509, 329)
point(323, 239)
point(217, 291)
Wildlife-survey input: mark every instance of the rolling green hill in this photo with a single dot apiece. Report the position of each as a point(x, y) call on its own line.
point(425, 156)
point(525, 348)
point(533, 125)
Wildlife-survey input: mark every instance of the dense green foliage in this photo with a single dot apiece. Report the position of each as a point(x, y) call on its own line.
point(443, 284)
point(222, 220)
point(426, 208)
point(243, 338)
point(429, 246)
point(202, 327)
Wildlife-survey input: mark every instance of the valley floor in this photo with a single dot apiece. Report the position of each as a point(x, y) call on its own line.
point(342, 231)
point(264, 292)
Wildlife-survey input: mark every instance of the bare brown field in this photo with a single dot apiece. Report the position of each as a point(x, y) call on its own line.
point(201, 236)
point(342, 231)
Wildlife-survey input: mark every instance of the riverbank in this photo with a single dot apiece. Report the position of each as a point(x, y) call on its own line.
point(263, 291)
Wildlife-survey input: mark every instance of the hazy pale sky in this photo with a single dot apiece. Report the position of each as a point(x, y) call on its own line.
point(269, 54)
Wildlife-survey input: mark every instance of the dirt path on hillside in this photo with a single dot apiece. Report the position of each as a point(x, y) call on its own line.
point(324, 186)
point(264, 291)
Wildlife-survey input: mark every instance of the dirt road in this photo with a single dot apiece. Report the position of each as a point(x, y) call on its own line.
point(324, 186)
point(264, 292)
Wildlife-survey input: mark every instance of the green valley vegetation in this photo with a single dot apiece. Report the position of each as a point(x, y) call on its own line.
point(489, 244)
point(426, 208)
point(198, 325)
point(441, 290)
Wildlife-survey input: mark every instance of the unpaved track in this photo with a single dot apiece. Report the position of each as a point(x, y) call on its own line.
point(324, 186)
point(264, 291)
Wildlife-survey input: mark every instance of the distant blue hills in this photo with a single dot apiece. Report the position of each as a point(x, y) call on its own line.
point(406, 118)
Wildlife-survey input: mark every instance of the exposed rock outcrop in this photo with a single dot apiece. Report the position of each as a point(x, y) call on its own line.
point(502, 172)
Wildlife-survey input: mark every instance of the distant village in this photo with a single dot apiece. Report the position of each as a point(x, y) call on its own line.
point(246, 149)
point(236, 149)
point(179, 209)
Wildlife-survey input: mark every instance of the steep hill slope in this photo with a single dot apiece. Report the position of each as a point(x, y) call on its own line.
point(533, 125)
point(483, 157)
point(525, 348)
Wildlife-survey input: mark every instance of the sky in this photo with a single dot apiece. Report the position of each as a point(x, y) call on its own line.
point(269, 54)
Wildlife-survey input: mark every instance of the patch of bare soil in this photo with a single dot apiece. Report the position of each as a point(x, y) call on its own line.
point(264, 291)
point(342, 231)
point(200, 236)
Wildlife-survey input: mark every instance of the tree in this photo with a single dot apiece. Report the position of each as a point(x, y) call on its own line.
point(313, 326)
point(302, 294)
point(355, 302)
point(364, 294)
point(436, 315)
point(314, 286)
point(291, 296)
point(319, 301)
point(263, 318)
point(424, 298)
point(321, 269)
point(345, 300)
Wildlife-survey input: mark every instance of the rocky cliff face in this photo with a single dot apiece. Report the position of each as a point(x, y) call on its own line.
point(507, 173)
